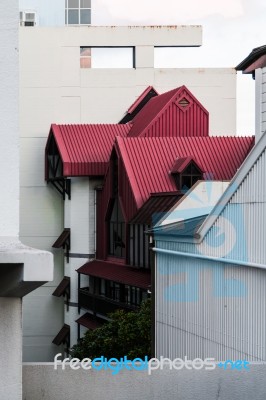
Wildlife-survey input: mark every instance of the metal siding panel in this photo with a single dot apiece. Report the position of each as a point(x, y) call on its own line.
point(224, 327)
point(211, 326)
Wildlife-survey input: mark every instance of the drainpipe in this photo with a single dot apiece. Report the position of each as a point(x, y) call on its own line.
point(208, 258)
point(95, 219)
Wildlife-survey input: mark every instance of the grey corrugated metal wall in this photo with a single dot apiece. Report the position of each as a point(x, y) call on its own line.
point(214, 309)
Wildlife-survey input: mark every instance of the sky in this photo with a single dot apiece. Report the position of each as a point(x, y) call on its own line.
point(231, 29)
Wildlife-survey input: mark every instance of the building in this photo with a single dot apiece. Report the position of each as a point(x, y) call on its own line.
point(116, 179)
point(210, 270)
point(55, 87)
point(54, 13)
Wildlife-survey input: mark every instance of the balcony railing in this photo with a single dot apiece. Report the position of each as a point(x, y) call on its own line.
point(100, 304)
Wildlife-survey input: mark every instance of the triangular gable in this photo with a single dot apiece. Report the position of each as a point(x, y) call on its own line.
point(176, 113)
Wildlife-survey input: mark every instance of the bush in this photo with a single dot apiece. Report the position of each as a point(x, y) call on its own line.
point(127, 334)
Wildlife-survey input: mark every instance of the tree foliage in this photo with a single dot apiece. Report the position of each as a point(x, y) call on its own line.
point(126, 334)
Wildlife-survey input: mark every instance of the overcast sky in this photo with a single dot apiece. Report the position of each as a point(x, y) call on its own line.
point(231, 29)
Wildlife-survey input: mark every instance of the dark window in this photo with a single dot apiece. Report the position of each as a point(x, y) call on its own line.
point(139, 252)
point(134, 295)
point(117, 246)
point(189, 177)
point(117, 232)
point(121, 293)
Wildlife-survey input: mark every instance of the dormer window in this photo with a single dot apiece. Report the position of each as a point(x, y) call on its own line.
point(186, 173)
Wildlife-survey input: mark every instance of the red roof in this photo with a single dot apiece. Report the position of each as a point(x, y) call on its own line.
point(133, 107)
point(85, 149)
point(163, 115)
point(181, 163)
point(156, 206)
point(148, 161)
point(89, 321)
point(117, 273)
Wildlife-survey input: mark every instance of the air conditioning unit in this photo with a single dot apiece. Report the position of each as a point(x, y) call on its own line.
point(27, 18)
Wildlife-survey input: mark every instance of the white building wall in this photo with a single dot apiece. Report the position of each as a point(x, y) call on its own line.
point(53, 88)
point(263, 101)
point(79, 216)
point(260, 102)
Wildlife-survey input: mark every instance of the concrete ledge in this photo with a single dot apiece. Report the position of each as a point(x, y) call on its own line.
point(41, 381)
point(160, 35)
point(22, 268)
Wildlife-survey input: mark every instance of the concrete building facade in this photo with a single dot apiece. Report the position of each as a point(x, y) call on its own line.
point(22, 269)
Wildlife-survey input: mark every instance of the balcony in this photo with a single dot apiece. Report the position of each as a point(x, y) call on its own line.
point(100, 304)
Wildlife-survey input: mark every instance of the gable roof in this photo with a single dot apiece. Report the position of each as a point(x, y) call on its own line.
point(138, 104)
point(85, 149)
point(256, 59)
point(148, 161)
point(157, 106)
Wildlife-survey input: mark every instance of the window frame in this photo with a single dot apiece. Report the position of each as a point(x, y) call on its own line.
point(79, 9)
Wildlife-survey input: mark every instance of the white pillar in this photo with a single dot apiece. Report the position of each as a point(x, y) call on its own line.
point(9, 119)
point(21, 269)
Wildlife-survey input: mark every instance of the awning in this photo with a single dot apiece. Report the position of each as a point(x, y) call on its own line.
point(156, 207)
point(62, 336)
point(63, 286)
point(117, 273)
point(89, 321)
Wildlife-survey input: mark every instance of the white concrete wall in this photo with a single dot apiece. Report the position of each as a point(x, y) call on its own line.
point(9, 119)
point(43, 382)
point(53, 88)
point(80, 218)
point(10, 348)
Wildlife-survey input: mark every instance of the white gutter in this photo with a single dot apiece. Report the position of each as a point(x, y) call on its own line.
point(209, 258)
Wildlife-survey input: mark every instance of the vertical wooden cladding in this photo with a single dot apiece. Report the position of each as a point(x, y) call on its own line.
point(176, 113)
point(177, 121)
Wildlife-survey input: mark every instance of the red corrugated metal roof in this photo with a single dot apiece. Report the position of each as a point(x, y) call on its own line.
point(85, 149)
point(148, 161)
point(140, 99)
point(117, 273)
point(156, 206)
point(181, 163)
point(148, 123)
point(138, 104)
